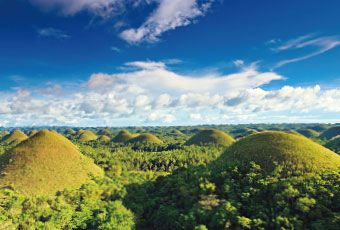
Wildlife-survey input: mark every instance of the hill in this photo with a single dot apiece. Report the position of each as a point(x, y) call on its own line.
point(86, 135)
point(70, 131)
point(32, 132)
point(330, 133)
point(44, 164)
point(14, 137)
point(334, 144)
point(104, 138)
point(292, 152)
point(145, 138)
point(310, 133)
point(210, 136)
point(123, 136)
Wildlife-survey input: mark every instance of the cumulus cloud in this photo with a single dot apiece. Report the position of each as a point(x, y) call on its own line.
point(150, 93)
point(321, 44)
point(169, 15)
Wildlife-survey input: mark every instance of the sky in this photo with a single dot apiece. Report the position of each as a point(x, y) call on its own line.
point(168, 62)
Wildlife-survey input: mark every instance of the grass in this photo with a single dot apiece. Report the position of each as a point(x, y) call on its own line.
point(87, 135)
point(14, 137)
point(330, 133)
point(291, 151)
point(123, 136)
point(44, 164)
point(211, 136)
point(146, 138)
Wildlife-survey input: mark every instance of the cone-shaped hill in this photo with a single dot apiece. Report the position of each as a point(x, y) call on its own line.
point(145, 138)
point(123, 136)
point(45, 163)
point(32, 132)
point(104, 138)
point(14, 137)
point(330, 133)
point(292, 152)
point(334, 144)
point(70, 131)
point(310, 133)
point(87, 135)
point(211, 136)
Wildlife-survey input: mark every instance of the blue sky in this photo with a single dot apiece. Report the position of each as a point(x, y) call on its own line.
point(168, 62)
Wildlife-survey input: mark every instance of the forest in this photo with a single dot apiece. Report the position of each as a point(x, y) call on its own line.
point(265, 176)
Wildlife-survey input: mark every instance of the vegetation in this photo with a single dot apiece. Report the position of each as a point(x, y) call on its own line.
point(210, 136)
point(265, 180)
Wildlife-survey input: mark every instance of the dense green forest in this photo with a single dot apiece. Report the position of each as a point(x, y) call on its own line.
point(265, 176)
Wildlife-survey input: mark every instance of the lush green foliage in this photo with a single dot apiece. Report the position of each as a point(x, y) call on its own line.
point(173, 186)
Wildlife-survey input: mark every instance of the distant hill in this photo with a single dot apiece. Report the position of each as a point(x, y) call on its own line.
point(123, 136)
point(70, 131)
point(86, 135)
point(292, 152)
point(32, 132)
point(211, 136)
point(104, 138)
point(334, 144)
point(310, 133)
point(44, 164)
point(145, 138)
point(14, 137)
point(330, 133)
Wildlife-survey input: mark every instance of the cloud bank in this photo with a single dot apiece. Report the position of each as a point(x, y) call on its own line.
point(151, 94)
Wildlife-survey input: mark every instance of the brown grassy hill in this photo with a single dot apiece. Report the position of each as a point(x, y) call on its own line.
point(211, 136)
point(104, 138)
point(145, 138)
point(123, 136)
point(32, 132)
point(292, 152)
point(14, 137)
point(87, 135)
point(44, 164)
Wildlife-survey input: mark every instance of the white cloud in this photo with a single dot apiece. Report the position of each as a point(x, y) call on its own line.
point(322, 45)
point(169, 15)
point(153, 94)
point(52, 33)
point(102, 8)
